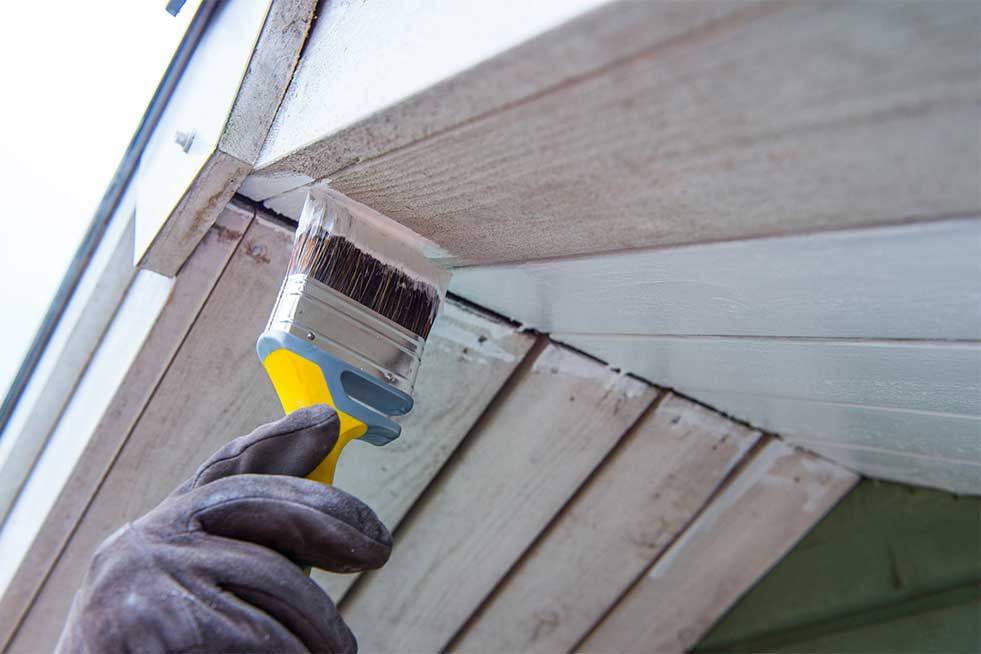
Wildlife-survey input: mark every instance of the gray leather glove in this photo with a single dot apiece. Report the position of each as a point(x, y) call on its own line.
point(214, 567)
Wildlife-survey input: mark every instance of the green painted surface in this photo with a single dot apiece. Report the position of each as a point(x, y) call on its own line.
point(892, 568)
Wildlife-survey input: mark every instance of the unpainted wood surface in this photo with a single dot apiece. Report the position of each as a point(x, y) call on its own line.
point(795, 117)
point(182, 424)
point(227, 97)
point(911, 281)
point(772, 502)
point(188, 295)
point(625, 515)
point(503, 53)
point(468, 357)
point(553, 424)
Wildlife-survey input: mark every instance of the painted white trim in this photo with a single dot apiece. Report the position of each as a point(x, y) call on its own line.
point(99, 292)
point(123, 339)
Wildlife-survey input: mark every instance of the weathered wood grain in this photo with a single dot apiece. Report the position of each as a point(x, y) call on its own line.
point(553, 424)
point(211, 392)
point(227, 97)
point(468, 357)
point(932, 376)
point(633, 506)
point(189, 293)
point(911, 281)
point(794, 118)
point(502, 53)
point(772, 502)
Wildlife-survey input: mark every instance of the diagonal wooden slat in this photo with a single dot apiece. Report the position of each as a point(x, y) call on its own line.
point(190, 292)
point(762, 512)
point(559, 417)
point(468, 357)
point(623, 518)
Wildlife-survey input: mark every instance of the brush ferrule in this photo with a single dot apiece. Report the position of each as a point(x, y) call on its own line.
point(334, 323)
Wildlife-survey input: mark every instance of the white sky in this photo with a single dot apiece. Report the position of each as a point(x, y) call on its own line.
point(76, 79)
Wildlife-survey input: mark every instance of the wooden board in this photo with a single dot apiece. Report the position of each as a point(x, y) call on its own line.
point(227, 98)
point(934, 376)
point(468, 357)
point(911, 282)
point(772, 502)
point(502, 53)
point(179, 427)
point(916, 433)
point(189, 293)
point(791, 118)
point(554, 423)
point(628, 512)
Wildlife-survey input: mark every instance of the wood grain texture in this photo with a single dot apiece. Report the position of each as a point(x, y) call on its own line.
point(228, 97)
point(189, 294)
point(556, 421)
point(633, 506)
point(912, 281)
point(916, 433)
point(772, 502)
point(181, 425)
point(468, 357)
point(502, 54)
point(793, 118)
point(938, 377)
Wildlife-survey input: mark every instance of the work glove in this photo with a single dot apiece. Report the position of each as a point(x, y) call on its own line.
point(216, 566)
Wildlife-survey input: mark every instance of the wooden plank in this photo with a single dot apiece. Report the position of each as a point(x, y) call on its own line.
point(775, 499)
point(795, 118)
point(554, 423)
point(194, 409)
point(635, 504)
point(502, 53)
point(468, 357)
point(932, 376)
point(226, 98)
point(911, 281)
point(189, 293)
point(915, 433)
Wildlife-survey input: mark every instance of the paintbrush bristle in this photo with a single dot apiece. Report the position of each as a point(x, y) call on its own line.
point(385, 289)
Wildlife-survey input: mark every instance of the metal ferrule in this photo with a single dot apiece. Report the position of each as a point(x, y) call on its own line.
point(346, 329)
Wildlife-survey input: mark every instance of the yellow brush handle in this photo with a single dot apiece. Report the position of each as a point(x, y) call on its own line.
point(299, 382)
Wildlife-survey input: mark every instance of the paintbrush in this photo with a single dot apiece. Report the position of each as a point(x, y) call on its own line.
point(351, 319)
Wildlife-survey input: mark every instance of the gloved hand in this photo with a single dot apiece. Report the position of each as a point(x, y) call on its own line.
point(214, 568)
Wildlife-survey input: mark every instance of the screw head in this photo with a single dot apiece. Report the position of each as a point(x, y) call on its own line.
point(310, 336)
point(184, 138)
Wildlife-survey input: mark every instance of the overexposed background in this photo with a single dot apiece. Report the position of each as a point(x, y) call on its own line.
point(76, 79)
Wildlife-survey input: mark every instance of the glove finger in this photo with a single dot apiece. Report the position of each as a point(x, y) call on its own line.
point(293, 445)
point(255, 578)
point(308, 522)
